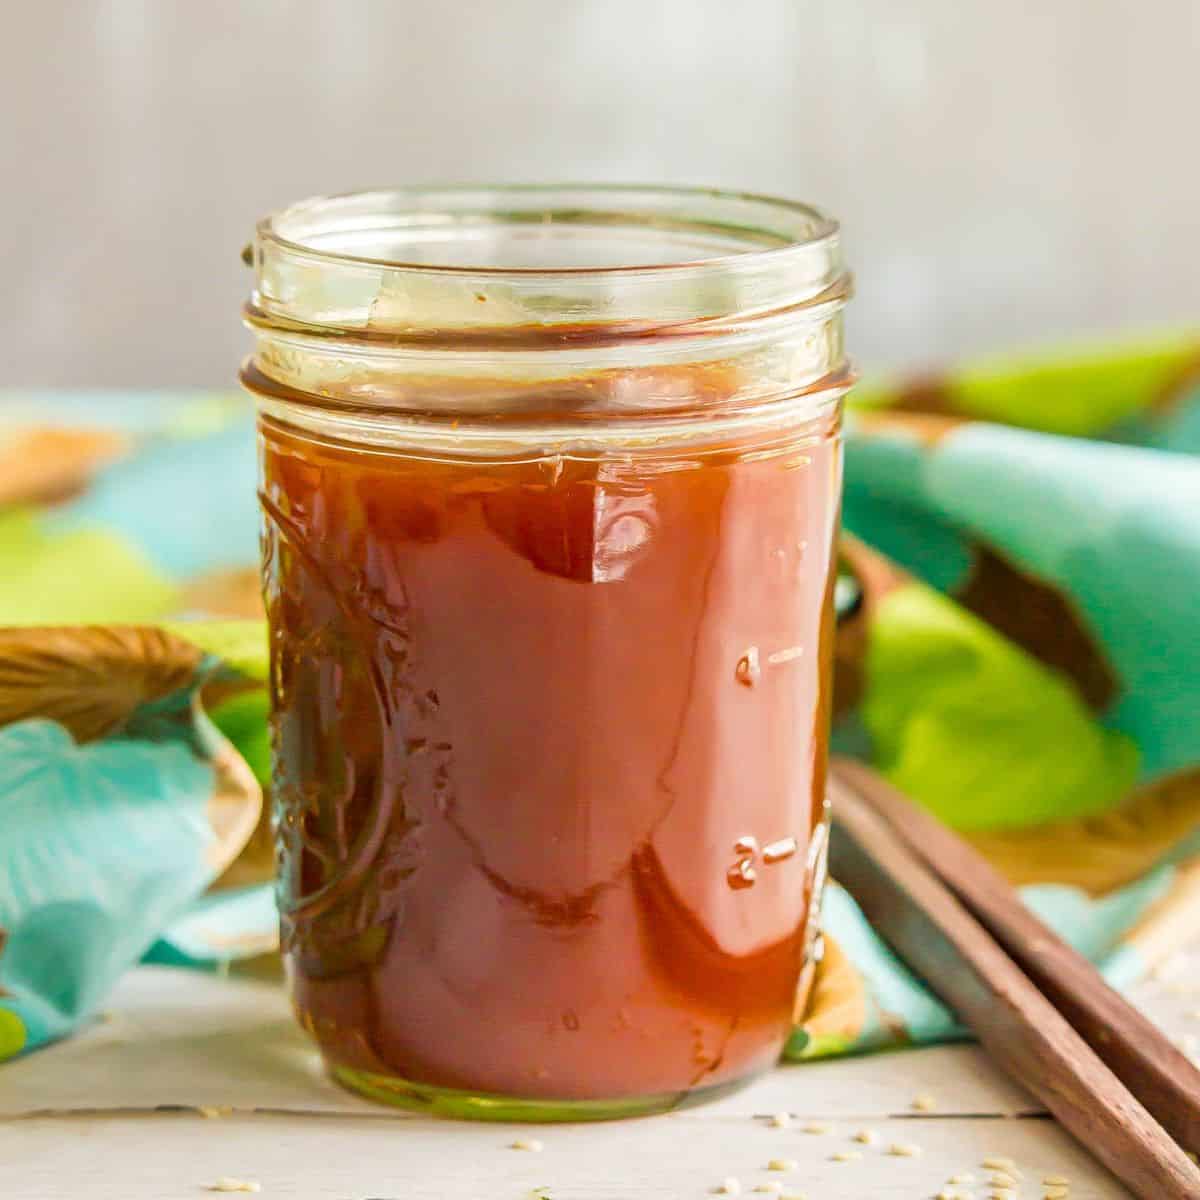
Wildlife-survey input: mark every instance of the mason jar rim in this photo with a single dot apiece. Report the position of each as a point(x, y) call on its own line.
point(550, 304)
point(798, 229)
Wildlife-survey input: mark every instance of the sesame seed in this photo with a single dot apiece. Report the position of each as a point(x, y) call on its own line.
point(772, 1185)
point(1002, 1194)
point(846, 1156)
point(866, 1137)
point(966, 1178)
point(782, 1164)
point(780, 1120)
point(531, 1144)
point(784, 656)
point(997, 1162)
point(1056, 1192)
point(923, 1103)
point(904, 1150)
point(817, 1127)
point(792, 1196)
point(951, 1194)
point(1003, 1179)
point(227, 1183)
point(1056, 1181)
point(730, 1187)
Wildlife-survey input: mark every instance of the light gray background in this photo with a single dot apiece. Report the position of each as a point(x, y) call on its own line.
point(1007, 171)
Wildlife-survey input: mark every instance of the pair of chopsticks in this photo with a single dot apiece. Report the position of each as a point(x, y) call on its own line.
point(1039, 1008)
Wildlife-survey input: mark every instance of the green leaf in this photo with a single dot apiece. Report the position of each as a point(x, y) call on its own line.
point(243, 720)
point(12, 1034)
point(81, 577)
point(242, 645)
point(1070, 393)
point(976, 729)
point(1068, 390)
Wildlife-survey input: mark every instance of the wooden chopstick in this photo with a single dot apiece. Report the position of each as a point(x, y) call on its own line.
point(1156, 1071)
point(1019, 1027)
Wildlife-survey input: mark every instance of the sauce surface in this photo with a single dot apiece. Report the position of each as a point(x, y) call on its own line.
point(549, 747)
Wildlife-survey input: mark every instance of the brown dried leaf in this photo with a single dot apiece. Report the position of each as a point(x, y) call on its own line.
point(1104, 852)
point(256, 862)
point(235, 807)
point(928, 428)
point(232, 594)
point(1040, 619)
point(837, 1006)
point(1177, 387)
point(39, 466)
point(89, 678)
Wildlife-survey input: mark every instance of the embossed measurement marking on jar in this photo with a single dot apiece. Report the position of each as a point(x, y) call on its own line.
point(748, 669)
point(743, 873)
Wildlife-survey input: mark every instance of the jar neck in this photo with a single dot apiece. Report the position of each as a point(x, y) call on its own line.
point(387, 306)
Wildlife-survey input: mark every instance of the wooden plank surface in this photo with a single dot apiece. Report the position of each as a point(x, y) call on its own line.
point(176, 1038)
point(178, 1156)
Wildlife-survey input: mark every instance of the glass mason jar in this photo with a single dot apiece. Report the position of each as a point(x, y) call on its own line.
point(550, 480)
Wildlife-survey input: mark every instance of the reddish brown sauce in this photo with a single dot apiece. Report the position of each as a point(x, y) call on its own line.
point(549, 743)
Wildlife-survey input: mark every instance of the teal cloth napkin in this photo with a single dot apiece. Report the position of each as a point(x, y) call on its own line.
point(1017, 650)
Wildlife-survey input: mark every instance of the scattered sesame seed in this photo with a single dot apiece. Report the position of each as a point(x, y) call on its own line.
point(784, 656)
point(1056, 1191)
point(772, 1185)
point(730, 1187)
point(866, 1137)
point(965, 1178)
point(782, 1164)
point(904, 1150)
point(1002, 1179)
point(997, 1162)
point(1056, 1181)
point(951, 1193)
point(792, 1196)
point(817, 1127)
point(532, 1144)
point(846, 1156)
point(780, 1120)
point(923, 1103)
point(1002, 1194)
point(228, 1184)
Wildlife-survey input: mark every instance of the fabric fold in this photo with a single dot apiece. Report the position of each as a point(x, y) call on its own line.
point(1016, 649)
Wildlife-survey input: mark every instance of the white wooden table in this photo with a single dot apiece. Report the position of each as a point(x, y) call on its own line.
point(116, 1114)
